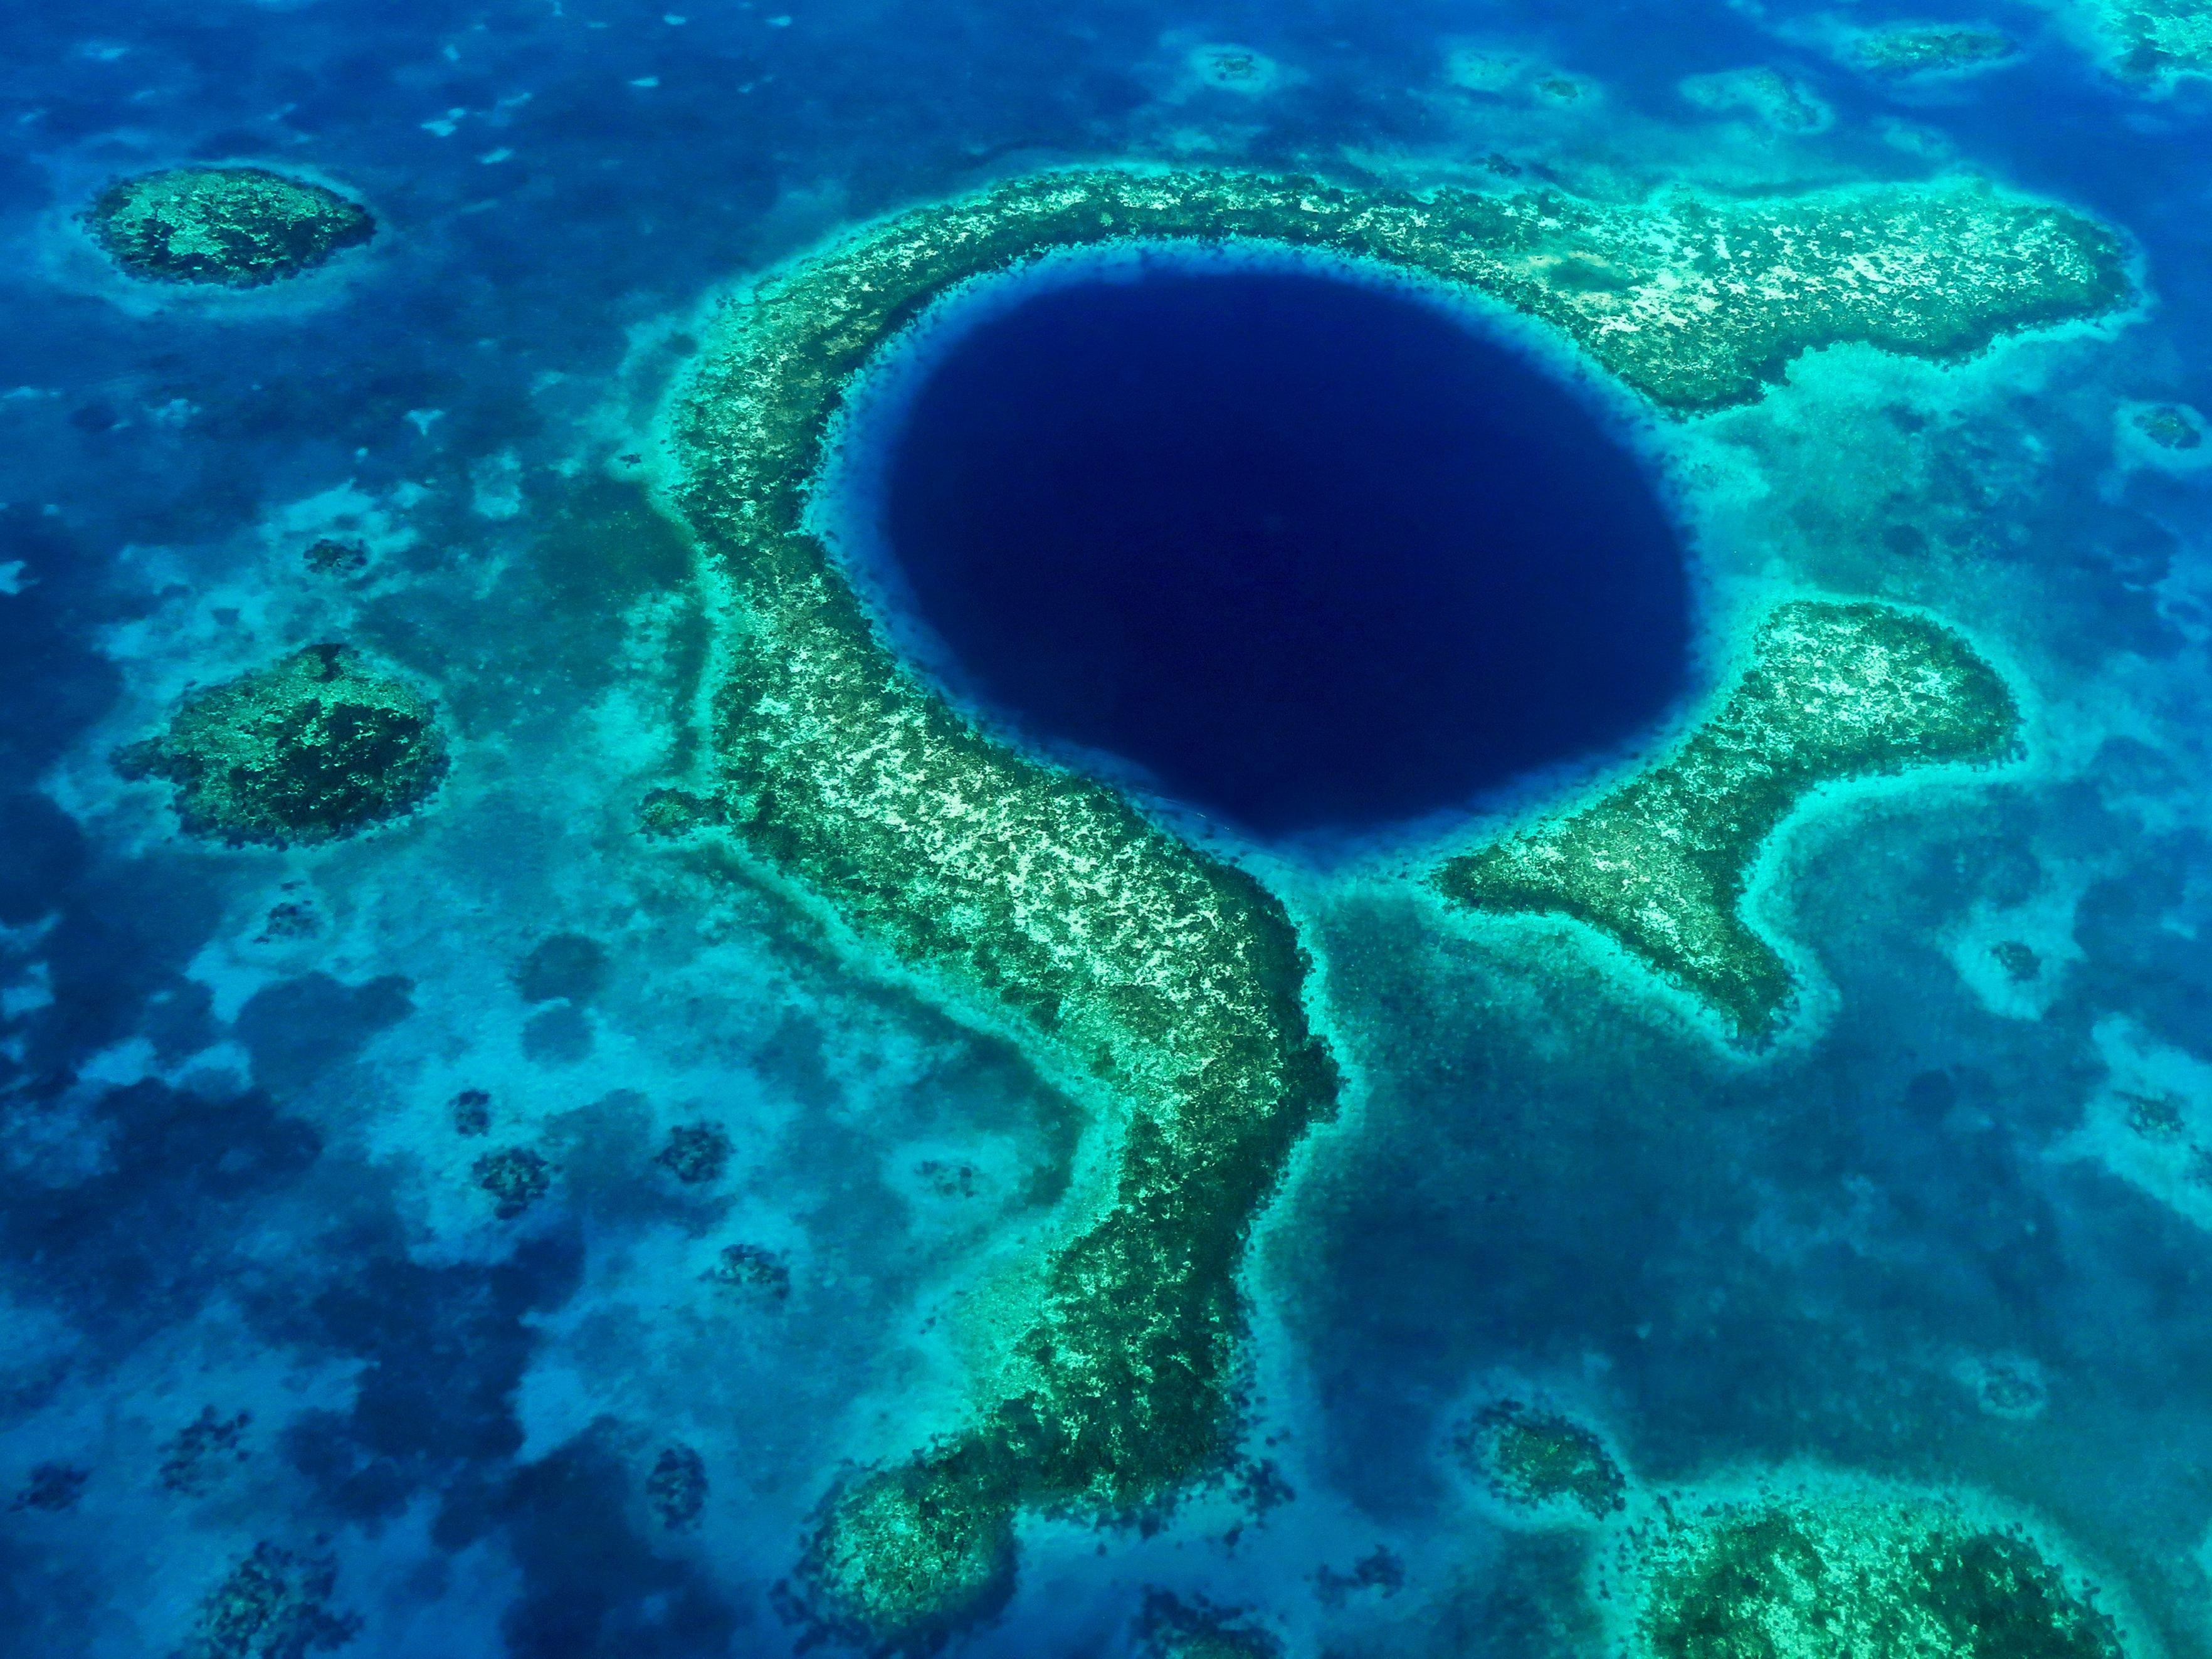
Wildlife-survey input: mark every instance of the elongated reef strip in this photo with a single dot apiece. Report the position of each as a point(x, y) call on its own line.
point(1833, 691)
point(1171, 977)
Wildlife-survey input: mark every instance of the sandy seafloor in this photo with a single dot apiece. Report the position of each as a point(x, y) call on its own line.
point(229, 1177)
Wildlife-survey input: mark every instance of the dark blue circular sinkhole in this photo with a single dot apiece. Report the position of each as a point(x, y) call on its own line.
point(1309, 552)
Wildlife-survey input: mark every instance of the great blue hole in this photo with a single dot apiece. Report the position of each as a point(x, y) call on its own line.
point(1303, 552)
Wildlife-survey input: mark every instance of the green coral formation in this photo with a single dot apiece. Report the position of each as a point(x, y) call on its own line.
point(2152, 42)
point(905, 1557)
point(1528, 1455)
point(1833, 691)
point(2170, 426)
point(312, 748)
point(236, 226)
point(1171, 979)
point(1860, 1576)
point(1928, 49)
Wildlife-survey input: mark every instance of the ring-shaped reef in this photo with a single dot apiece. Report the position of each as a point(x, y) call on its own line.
point(1168, 977)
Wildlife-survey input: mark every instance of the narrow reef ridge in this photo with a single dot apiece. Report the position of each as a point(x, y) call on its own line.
point(1173, 979)
point(312, 748)
point(1921, 48)
point(1849, 1572)
point(232, 227)
point(1833, 691)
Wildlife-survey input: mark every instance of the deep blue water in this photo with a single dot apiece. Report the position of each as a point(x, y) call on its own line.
point(1307, 552)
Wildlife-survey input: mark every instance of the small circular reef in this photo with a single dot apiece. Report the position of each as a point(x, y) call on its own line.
point(314, 748)
point(230, 227)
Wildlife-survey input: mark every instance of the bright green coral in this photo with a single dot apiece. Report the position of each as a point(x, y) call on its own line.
point(314, 747)
point(1833, 691)
point(1839, 1574)
point(1171, 978)
point(237, 226)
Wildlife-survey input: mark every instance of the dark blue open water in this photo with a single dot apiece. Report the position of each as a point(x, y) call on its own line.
point(1309, 552)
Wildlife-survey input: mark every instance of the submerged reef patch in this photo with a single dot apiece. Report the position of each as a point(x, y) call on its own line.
point(1931, 49)
point(1780, 101)
point(2171, 426)
point(234, 227)
point(1180, 1627)
point(1169, 978)
point(1845, 1571)
point(516, 1178)
point(2152, 43)
point(275, 1604)
point(677, 1487)
point(1833, 692)
point(1540, 1459)
point(312, 748)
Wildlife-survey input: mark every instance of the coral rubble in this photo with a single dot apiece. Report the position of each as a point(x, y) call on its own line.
point(235, 227)
point(1833, 691)
point(312, 748)
point(1171, 980)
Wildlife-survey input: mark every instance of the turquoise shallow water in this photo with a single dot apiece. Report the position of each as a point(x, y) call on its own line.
point(252, 1291)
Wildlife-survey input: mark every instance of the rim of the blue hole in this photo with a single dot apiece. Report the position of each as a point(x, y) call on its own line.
point(846, 496)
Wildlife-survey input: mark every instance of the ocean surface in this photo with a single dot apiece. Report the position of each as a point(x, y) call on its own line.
point(255, 1294)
